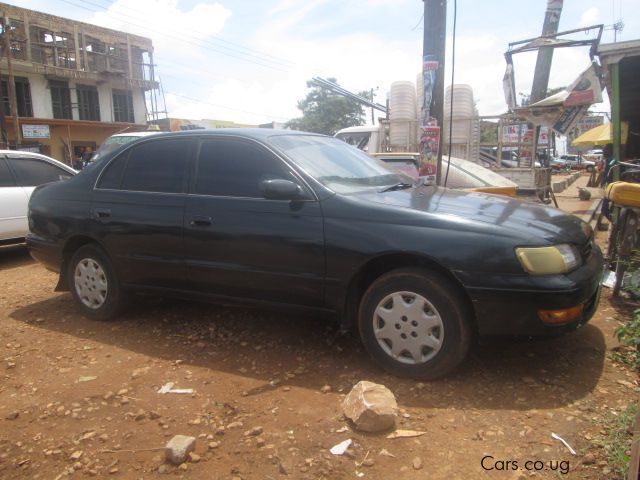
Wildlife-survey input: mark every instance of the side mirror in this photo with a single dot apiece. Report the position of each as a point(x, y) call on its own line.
point(279, 189)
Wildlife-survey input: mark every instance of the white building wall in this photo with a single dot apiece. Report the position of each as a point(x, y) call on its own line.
point(40, 96)
point(106, 102)
point(139, 106)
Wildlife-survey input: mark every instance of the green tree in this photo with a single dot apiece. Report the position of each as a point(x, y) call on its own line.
point(324, 111)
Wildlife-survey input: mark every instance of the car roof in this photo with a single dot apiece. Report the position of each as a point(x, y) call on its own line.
point(135, 134)
point(255, 133)
point(22, 153)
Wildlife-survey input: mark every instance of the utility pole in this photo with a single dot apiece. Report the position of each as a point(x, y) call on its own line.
point(13, 102)
point(543, 64)
point(431, 116)
point(373, 119)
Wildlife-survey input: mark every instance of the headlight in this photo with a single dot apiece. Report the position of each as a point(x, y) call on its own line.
point(548, 260)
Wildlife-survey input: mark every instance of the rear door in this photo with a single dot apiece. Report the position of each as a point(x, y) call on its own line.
point(29, 173)
point(13, 205)
point(240, 244)
point(138, 208)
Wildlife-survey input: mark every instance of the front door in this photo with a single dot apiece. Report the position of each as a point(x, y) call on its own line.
point(240, 244)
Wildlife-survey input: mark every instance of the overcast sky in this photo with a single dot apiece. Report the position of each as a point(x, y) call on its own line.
point(249, 60)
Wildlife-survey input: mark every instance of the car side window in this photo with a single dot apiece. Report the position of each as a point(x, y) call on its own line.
point(32, 172)
point(6, 177)
point(233, 168)
point(112, 175)
point(157, 166)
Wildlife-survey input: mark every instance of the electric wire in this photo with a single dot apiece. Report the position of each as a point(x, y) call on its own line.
point(198, 100)
point(199, 43)
point(453, 76)
point(234, 46)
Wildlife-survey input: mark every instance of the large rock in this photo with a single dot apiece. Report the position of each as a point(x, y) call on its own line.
point(371, 407)
point(179, 448)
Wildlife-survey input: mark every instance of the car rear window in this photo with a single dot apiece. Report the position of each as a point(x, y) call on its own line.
point(156, 166)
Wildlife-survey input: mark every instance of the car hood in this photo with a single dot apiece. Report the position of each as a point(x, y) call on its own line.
point(534, 223)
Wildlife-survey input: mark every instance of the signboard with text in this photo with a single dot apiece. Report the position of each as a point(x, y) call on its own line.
point(35, 131)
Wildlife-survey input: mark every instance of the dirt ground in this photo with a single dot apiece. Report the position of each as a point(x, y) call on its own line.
point(80, 398)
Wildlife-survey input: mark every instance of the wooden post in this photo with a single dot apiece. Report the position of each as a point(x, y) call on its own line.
point(543, 66)
point(615, 117)
point(13, 102)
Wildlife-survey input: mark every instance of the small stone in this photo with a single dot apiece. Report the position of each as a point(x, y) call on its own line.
point(213, 445)
point(163, 469)
point(194, 457)
point(260, 442)
point(178, 448)
point(234, 425)
point(153, 415)
point(12, 415)
point(417, 463)
point(325, 388)
point(368, 462)
point(589, 459)
point(75, 456)
point(141, 415)
point(254, 432)
point(113, 470)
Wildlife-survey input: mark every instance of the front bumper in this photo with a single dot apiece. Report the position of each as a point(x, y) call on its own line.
point(508, 305)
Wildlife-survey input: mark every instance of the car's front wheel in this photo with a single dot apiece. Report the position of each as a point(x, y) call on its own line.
point(94, 285)
point(415, 323)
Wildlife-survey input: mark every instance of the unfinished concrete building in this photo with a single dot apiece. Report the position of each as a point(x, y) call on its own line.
point(75, 83)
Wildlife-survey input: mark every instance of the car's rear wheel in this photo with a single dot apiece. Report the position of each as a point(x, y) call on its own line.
point(415, 323)
point(94, 285)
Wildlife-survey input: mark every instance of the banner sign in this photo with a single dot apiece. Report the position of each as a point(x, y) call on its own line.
point(517, 133)
point(429, 130)
point(35, 131)
point(563, 110)
point(429, 146)
point(429, 71)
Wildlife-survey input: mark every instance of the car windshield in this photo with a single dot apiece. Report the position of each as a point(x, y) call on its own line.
point(338, 166)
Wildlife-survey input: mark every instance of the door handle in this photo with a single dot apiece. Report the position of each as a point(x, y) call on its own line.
point(102, 213)
point(200, 221)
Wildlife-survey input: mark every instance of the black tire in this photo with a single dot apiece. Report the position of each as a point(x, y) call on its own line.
point(104, 284)
point(444, 301)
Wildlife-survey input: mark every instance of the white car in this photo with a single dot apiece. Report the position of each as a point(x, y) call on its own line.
point(20, 174)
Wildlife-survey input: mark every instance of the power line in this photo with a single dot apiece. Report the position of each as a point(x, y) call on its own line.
point(191, 99)
point(276, 59)
point(200, 43)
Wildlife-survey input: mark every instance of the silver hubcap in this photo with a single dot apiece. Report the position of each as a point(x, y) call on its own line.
point(408, 327)
point(91, 283)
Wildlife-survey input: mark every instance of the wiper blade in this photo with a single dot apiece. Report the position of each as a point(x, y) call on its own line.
point(397, 186)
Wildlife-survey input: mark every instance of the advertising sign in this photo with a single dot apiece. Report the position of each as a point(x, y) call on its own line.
point(429, 146)
point(429, 71)
point(35, 131)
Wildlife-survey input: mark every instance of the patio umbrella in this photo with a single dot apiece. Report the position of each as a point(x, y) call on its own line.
point(600, 135)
